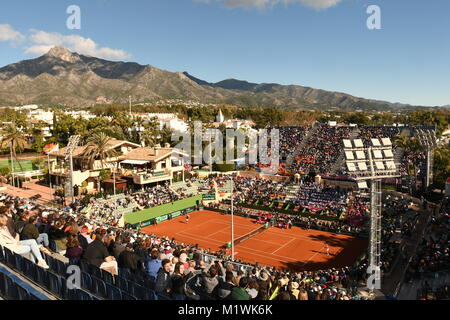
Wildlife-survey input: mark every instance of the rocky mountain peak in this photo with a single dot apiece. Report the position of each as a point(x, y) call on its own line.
point(63, 53)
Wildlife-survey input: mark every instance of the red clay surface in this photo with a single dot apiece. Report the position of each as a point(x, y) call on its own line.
point(294, 249)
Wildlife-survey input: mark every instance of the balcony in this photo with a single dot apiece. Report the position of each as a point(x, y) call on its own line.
point(146, 177)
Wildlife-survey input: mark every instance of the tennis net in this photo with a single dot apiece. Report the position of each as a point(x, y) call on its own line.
point(249, 235)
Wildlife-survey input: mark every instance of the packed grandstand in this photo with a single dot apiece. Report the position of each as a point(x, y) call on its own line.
point(123, 260)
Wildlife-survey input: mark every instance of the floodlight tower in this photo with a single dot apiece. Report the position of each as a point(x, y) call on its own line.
point(232, 218)
point(373, 164)
point(427, 139)
point(71, 146)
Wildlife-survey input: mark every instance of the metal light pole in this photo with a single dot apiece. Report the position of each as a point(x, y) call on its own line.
point(210, 154)
point(114, 178)
point(50, 178)
point(72, 193)
point(232, 219)
point(71, 146)
point(372, 164)
point(428, 140)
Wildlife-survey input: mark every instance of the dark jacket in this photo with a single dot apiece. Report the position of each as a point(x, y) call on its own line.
point(238, 293)
point(11, 227)
point(19, 226)
point(30, 231)
point(56, 234)
point(96, 253)
point(118, 249)
point(44, 228)
point(129, 260)
point(83, 241)
point(178, 283)
point(74, 253)
point(163, 281)
point(223, 290)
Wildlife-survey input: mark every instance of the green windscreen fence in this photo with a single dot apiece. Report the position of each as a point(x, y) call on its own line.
point(161, 212)
point(27, 164)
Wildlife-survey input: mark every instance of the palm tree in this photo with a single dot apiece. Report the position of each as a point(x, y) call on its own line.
point(98, 147)
point(165, 136)
point(15, 139)
point(441, 166)
point(149, 137)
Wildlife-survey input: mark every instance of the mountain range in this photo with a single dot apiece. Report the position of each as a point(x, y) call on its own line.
point(67, 78)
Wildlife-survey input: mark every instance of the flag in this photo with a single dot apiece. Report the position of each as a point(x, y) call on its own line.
point(50, 148)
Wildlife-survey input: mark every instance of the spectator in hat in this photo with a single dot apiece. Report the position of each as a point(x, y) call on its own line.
point(264, 281)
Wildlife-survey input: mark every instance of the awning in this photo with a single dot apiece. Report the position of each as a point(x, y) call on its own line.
point(136, 162)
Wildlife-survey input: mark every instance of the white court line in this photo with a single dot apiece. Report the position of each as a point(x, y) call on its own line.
point(252, 251)
point(284, 245)
point(257, 252)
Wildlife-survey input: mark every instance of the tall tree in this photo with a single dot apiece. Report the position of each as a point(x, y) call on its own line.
point(98, 147)
point(15, 139)
point(441, 166)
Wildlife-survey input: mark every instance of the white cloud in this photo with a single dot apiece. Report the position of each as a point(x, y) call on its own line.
point(263, 4)
point(43, 41)
point(7, 33)
point(319, 4)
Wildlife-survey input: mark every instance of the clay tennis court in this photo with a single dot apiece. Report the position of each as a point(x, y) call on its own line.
point(294, 249)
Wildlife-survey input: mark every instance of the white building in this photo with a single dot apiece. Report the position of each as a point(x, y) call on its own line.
point(170, 120)
point(27, 107)
point(82, 114)
point(220, 117)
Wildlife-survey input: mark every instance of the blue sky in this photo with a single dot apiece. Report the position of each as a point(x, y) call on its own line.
point(283, 41)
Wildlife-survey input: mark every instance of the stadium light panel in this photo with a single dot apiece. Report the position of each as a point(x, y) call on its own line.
point(349, 155)
point(388, 154)
point(377, 154)
point(347, 144)
point(376, 142)
point(390, 165)
point(362, 185)
point(351, 167)
point(379, 165)
point(362, 166)
point(386, 142)
point(360, 155)
point(358, 143)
